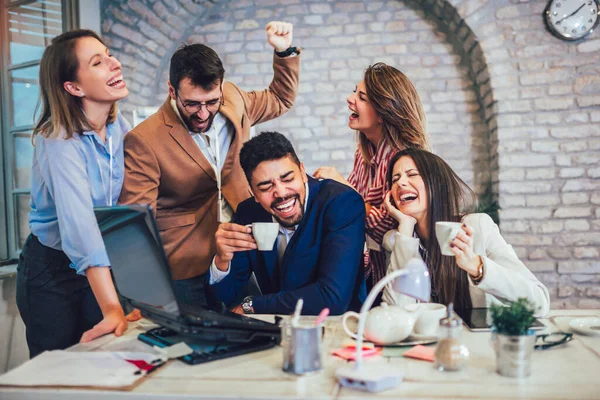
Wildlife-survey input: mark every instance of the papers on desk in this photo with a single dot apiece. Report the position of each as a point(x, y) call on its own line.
point(116, 370)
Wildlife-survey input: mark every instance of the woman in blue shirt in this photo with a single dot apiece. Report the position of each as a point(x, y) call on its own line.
point(65, 291)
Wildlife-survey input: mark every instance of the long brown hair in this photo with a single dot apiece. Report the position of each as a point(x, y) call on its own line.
point(62, 112)
point(396, 101)
point(449, 199)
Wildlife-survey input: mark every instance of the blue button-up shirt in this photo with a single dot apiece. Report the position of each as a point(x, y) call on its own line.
point(68, 179)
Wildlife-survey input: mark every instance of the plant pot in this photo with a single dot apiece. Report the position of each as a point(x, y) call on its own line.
point(513, 354)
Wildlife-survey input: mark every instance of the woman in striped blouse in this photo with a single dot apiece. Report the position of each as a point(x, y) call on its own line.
point(388, 115)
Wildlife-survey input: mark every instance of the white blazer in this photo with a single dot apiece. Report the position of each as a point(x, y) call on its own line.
point(505, 279)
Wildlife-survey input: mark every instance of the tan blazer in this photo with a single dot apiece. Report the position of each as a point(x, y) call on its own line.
point(165, 168)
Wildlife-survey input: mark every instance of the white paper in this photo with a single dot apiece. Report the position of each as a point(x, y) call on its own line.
point(68, 368)
point(178, 350)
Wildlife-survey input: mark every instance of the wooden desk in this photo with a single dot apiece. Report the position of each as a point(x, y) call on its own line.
point(571, 371)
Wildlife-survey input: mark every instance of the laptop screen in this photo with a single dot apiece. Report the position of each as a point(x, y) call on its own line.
point(137, 257)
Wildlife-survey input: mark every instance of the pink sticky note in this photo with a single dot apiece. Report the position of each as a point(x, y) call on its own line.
point(421, 352)
point(349, 353)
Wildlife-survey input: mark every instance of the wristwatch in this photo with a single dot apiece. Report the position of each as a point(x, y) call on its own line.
point(480, 273)
point(247, 305)
point(287, 52)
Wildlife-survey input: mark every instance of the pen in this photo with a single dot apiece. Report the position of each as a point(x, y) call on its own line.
point(297, 312)
point(321, 317)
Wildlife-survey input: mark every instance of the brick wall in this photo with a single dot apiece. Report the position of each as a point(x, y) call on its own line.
point(510, 107)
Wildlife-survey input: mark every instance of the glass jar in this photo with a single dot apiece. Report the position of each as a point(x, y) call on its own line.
point(450, 354)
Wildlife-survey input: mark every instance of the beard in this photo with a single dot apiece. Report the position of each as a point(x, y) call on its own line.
point(293, 220)
point(189, 122)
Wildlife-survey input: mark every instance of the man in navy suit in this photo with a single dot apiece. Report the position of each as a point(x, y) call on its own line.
point(318, 254)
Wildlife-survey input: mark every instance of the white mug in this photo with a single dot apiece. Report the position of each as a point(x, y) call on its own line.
point(265, 234)
point(428, 317)
point(446, 232)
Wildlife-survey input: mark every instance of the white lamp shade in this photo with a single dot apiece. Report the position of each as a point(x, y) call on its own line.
point(415, 282)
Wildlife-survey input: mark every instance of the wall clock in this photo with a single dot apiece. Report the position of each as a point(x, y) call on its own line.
point(571, 19)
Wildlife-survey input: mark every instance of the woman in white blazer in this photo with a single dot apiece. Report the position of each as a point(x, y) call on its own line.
point(484, 268)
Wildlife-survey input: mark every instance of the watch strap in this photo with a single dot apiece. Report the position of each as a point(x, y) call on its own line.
point(247, 305)
point(287, 52)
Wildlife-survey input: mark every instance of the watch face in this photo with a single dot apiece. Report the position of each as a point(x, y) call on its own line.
point(572, 19)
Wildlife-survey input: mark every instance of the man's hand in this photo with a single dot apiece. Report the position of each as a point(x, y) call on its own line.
point(134, 315)
point(238, 309)
point(279, 35)
point(231, 238)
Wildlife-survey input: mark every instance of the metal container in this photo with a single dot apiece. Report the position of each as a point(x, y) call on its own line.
point(301, 344)
point(513, 354)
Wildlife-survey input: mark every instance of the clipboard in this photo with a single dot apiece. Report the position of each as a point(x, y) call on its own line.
point(60, 369)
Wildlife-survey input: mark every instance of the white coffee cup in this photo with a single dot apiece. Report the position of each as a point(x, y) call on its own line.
point(428, 317)
point(265, 234)
point(446, 232)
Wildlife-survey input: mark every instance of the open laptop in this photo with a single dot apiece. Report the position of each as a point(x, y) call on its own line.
point(142, 275)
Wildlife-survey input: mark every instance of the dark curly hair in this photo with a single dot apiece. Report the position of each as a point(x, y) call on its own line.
point(266, 146)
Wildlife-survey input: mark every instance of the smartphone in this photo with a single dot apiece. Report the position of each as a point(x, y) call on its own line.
point(480, 319)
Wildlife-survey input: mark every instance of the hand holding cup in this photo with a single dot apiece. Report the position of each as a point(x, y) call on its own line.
point(462, 247)
point(231, 238)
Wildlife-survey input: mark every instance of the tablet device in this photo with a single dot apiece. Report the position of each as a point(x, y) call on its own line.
point(480, 319)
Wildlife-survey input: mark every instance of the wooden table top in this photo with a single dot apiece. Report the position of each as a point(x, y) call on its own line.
point(569, 371)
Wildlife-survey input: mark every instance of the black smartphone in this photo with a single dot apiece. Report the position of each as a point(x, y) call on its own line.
point(480, 319)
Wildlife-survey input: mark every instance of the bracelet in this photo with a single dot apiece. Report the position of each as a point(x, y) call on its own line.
point(287, 52)
point(480, 272)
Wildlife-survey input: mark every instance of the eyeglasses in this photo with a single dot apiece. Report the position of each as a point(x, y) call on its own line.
point(548, 340)
point(193, 107)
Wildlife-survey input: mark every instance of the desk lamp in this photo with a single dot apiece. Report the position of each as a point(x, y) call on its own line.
point(412, 281)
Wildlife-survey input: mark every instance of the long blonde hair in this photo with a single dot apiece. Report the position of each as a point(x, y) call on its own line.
point(396, 101)
point(62, 113)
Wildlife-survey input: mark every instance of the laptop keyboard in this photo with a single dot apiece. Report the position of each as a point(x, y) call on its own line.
point(209, 318)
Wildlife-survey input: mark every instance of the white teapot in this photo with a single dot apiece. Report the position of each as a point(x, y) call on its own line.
point(385, 324)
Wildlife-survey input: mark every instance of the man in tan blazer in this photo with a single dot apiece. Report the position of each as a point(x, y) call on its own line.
point(182, 157)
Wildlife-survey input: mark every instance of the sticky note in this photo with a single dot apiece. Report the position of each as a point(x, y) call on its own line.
point(421, 352)
point(348, 353)
point(352, 344)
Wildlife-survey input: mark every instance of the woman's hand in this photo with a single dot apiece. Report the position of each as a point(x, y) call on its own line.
point(113, 321)
point(330, 173)
point(104, 291)
point(462, 247)
point(406, 223)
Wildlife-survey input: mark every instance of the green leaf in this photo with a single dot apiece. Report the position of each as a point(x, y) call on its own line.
point(514, 319)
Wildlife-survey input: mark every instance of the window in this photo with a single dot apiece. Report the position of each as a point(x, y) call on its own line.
point(26, 28)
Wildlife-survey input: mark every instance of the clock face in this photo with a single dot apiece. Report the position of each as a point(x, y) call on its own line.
point(572, 19)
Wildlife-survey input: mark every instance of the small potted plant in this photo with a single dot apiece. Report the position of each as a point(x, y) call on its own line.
point(513, 339)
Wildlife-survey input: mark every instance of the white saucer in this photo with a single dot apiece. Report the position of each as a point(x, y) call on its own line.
point(586, 326)
point(419, 336)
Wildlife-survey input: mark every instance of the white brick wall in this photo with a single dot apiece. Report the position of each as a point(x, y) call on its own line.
point(509, 106)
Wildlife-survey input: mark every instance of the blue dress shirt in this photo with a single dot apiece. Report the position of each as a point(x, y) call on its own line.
point(68, 179)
